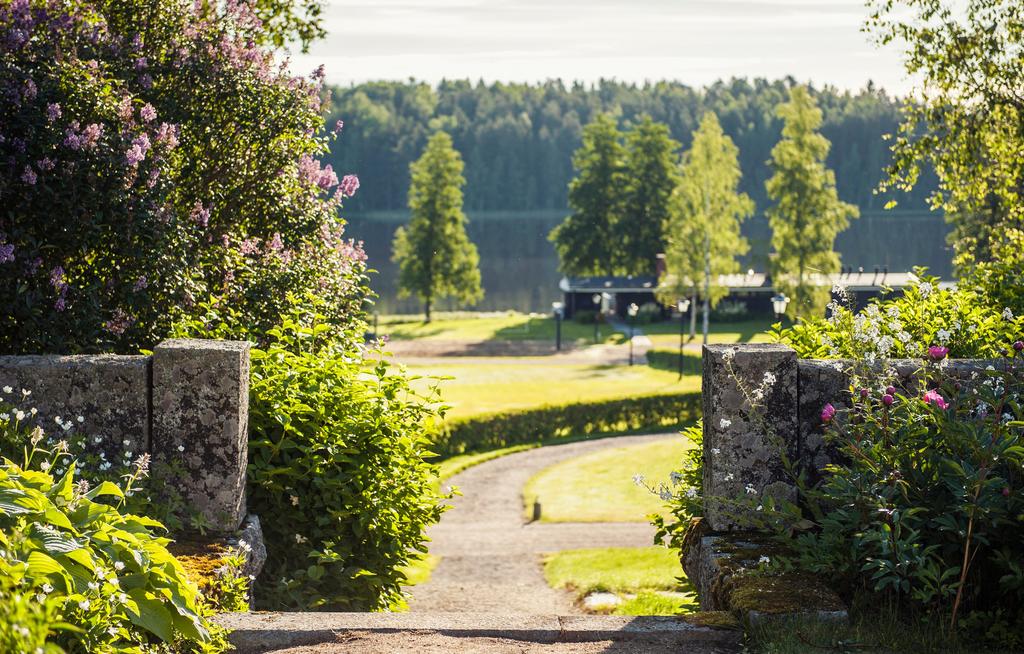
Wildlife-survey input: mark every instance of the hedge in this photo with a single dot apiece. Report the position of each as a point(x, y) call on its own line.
point(505, 428)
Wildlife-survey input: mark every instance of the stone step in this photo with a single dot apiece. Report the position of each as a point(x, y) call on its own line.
point(260, 632)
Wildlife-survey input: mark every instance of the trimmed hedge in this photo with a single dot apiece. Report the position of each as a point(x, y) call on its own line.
point(505, 428)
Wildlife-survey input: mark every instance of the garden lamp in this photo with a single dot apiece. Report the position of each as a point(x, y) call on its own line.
point(683, 305)
point(779, 302)
point(632, 310)
point(558, 308)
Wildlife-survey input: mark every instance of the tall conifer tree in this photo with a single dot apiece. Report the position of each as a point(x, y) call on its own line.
point(807, 213)
point(434, 254)
point(586, 240)
point(703, 230)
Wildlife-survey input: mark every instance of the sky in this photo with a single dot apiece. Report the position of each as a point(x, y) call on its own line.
point(692, 41)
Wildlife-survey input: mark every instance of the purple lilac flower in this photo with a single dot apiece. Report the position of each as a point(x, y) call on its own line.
point(6, 252)
point(200, 214)
point(167, 134)
point(57, 277)
point(29, 176)
point(52, 111)
point(276, 244)
point(249, 246)
point(119, 323)
point(338, 125)
point(140, 284)
point(148, 113)
point(45, 164)
point(349, 185)
point(327, 178)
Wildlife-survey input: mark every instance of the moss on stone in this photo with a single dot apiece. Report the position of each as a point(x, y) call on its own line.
point(201, 559)
point(713, 620)
point(792, 592)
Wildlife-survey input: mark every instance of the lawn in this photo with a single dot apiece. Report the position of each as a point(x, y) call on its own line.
point(514, 326)
point(646, 579)
point(523, 382)
point(599, 487)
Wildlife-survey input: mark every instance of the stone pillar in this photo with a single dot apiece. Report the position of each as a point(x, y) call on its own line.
point(200, 423)
point(743, 444)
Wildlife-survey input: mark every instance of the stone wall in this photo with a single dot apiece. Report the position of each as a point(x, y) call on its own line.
point(187, 404)
point(743, 448)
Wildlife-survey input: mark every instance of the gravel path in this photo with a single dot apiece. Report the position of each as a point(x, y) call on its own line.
point(490, 559)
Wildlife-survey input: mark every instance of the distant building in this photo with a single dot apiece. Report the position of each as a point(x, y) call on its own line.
point(753, 289)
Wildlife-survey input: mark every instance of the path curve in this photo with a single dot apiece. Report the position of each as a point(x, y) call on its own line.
point(490, 559)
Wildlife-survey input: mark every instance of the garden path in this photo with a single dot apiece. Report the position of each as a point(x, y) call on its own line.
point(490, 556)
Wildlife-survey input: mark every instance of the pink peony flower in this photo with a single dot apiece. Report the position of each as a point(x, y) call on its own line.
point(827, 413)
point(937, 352)
point(933, 397)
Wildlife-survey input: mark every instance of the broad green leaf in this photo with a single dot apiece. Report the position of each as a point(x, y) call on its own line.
point(105, 488)
point(151, 615)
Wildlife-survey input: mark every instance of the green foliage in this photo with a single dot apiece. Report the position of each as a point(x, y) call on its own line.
point(81, 574)
point(517, 139)
point(435, 257)
point(586, 240)
point(685, 492)
point(336, 456)
point(703, 229)
point(807, 213)
point(507, 428)
point(288, 20)
point(906, 325)
point(150, 171)
point(651, 177)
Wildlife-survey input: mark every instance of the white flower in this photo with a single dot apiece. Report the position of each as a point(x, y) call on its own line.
point(25, 392)
point(8, 389)
point(126, 442)
point(675, 477)
point(122, 598)
point(943, 336)
point(638, 479)
point(33, 410)
point(716, 451)
point(40, 598)
point(295, 500)
point(100, 574)
point(1007, 314)
point(47, 588)
point(750, 489)
point(80, 419)
point(19, 414)
point(5, 416)
point(84, 605)
point(299, 538)
point(58, 420)
point(724, 423)
point(769, 379)
point(728, 477)
point(112, 630)
point(760, 507)
point(93, 585)
point(691, 493)
point(181, 448)
point(925, 289)
point(665, 495)
point(764, 559)
point(119, 566)
point(44, 466)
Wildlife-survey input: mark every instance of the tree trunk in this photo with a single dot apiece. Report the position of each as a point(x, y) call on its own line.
point(693, 314)
point(426, 310)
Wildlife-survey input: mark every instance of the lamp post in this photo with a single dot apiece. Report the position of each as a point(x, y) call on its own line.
point(558, 307)
point(596, 299)
point(779, 302)
point(632, 310)
point(683, 305)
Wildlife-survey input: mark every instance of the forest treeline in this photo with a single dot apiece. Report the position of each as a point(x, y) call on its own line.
point(517, 140)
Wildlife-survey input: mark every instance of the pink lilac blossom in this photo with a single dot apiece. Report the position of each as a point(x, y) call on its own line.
point(147, 113)
point(45, 164)
point(933, 397)
point(249, 246)
point(349, 185)
point(52, 111)
point(119, 323)
point(91, 135)
point(275, 244)
point(200, 214)
point(167, 134)
point(338, 126)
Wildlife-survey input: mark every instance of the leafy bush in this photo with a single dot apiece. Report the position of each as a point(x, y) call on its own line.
point(731, 311)
point(684, 492)
point(586, 316)
point(81, 575)
point(513, 427)
point(337, 448)
point(150, 168)
point(649, 312)
point(962, 319)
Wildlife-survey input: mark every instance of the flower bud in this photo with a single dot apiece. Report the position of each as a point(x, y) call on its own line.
point(864, 393)
point(890, 390)
point(1006, 491)
point(1018, 345)
point(887, 399)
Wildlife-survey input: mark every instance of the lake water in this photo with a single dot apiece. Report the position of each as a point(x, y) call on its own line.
point(519, 266)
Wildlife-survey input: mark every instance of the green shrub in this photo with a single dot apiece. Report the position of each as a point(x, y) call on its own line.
point(338, 443)
point(684, 491)
point(730, 311)
point(496, 430)
point(83, 576)
point(586, 316)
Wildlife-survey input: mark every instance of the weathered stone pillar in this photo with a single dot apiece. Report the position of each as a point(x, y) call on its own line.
point(750, 418)
point(200, 423)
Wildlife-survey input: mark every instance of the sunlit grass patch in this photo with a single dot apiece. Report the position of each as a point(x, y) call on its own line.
point(599, 487)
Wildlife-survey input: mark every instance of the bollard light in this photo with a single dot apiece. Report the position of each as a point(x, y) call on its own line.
point(779, 303)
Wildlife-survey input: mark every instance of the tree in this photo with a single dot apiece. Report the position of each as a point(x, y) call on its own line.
point(586, 240)
point(434, 255)
point(807, 213)
point(703, 229)
point(966, 123)
point(652, 173)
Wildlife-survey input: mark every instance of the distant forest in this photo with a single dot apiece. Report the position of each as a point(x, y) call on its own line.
point(517, 139)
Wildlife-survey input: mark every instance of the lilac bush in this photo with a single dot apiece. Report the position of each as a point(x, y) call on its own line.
point(154, 157)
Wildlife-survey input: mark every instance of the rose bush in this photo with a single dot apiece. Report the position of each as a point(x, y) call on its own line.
point(153, 156)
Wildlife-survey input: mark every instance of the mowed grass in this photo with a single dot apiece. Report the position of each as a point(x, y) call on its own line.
point(599, 487)
point(646, 578)
point(525, 382)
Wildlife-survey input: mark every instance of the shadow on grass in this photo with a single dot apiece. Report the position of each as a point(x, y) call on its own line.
point(669, 360)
